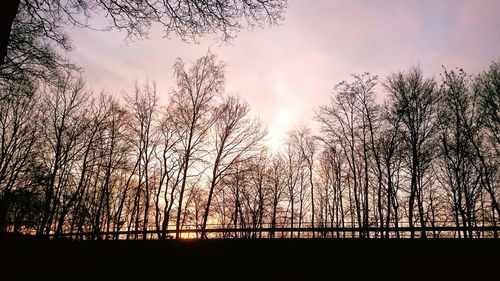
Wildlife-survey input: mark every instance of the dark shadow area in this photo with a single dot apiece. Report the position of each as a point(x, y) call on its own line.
point(23, 258)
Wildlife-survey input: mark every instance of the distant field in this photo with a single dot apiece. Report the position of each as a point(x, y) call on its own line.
point(245, 259)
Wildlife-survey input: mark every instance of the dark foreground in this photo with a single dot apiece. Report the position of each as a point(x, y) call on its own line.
point(286, 259)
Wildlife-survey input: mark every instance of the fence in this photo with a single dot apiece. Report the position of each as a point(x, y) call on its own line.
point(291, 232)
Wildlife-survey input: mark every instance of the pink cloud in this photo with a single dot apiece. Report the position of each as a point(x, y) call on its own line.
point(292, 68)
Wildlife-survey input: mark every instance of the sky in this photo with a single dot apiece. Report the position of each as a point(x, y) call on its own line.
point(286, 72)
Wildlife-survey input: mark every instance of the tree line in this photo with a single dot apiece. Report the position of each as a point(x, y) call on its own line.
point(74, 162)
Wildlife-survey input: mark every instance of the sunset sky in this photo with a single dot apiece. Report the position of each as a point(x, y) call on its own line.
point(285, 72)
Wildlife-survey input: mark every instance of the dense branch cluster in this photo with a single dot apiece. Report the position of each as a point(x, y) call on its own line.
point(76, 162)
point(33, 32)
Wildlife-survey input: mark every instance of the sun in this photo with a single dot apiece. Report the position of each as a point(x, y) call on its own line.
point(278, 129)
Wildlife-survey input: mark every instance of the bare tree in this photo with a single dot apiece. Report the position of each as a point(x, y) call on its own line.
point(414, 99)
point(484, 135)
point(113, 151)
point(43, 22)
point(332, 189)
point(235, 183)
point(236, 137)
point(18, 130)
point(30, 54)
point(93, 123)
point(143, 110)
point(277, 189)
point(340, 123)
point(390, 149)
point(488, 89)
point(291, 159)
point(457, 112)
point(364, 86)
point(193, 100)
point(306, 145)
point(63, 106)
point(169, 157)
point(258, 181)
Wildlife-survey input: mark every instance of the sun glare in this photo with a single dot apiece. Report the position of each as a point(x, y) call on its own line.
point(278, 129)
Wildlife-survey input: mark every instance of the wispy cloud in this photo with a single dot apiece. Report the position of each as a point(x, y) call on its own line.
point(285, 71)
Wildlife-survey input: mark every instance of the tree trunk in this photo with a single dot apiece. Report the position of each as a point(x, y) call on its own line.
point(207, 207)
point(7, 15)
point(187, 156)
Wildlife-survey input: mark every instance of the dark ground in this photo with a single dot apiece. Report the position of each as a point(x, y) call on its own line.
point(287, 259)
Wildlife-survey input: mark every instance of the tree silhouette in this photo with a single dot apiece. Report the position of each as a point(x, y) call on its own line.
point(457, 112)
point(197, 89)
point(90, 166)
point(414, 99)
point(18, 137)
point(236, 137)
point(30, 31)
